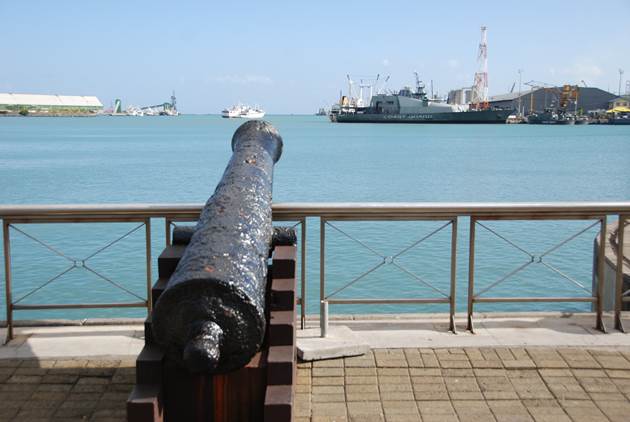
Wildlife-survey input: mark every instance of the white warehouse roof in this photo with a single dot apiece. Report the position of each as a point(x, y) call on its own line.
point(49, 100)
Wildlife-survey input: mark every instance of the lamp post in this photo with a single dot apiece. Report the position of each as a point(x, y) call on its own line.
point(520, 100)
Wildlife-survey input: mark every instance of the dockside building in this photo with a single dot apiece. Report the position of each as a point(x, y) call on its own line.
point(588, 100)
point(48, 104)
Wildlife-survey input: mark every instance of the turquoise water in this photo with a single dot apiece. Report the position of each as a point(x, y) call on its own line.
point(133, 160)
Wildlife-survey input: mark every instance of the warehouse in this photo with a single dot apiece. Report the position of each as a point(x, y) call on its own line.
point(588, 100)
point(48, 104)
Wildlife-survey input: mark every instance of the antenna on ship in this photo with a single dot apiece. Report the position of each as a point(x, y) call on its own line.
point(480, 87)
point(173, 102)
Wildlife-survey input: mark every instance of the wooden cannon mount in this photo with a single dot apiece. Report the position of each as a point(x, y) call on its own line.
point(262, 390)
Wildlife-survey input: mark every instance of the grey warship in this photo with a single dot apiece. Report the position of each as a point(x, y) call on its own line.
point(409, 106)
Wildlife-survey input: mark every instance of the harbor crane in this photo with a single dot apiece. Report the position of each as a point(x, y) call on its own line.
point(536, 85)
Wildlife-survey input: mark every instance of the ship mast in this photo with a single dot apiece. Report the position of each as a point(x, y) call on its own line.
point(480, 87)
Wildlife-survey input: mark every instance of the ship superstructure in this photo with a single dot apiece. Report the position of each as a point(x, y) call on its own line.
point(412, 106)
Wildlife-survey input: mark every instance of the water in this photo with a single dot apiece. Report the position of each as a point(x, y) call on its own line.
point(135, 160)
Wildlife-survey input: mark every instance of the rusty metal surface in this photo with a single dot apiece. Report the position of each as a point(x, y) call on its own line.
point(211, 316)
point(282, 236)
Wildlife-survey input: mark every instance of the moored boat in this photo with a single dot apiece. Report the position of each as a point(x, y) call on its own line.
point(410, 106)
point(252, 113)
point(232, 112)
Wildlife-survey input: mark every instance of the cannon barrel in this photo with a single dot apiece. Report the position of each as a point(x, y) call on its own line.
point(211, 316)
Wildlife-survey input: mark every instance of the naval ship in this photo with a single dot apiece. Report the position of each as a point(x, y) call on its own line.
point(410, 106)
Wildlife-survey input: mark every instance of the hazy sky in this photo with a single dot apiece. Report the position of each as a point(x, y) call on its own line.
point(293, 56)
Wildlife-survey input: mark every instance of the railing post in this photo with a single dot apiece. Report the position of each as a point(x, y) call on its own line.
point(303, 300)
point(471, 273)
point(323, 323)
point(601, 262)
point(323, 309)
point(167, 231)
point(619, 273)
point(6, 241)
point(147, 231)
point(452, 298)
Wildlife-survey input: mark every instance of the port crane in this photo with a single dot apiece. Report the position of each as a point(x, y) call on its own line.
point(535, 85)
point(166, 108)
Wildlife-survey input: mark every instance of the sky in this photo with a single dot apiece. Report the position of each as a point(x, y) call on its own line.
point(293, 56)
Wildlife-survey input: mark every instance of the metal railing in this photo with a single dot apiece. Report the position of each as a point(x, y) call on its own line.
point(621, 296)
point(331, 213)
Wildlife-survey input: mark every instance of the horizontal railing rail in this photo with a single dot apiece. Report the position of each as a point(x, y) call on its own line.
point(329, 214)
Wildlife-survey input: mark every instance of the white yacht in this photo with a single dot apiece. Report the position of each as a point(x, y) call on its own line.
point(134, 111)
point(252, 113)
point(232, 112)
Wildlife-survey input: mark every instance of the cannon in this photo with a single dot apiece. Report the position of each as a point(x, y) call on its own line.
point(210, 318)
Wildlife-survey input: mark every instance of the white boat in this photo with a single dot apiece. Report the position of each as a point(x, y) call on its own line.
point(252, 113)
point(232, 112)
point(134, 111)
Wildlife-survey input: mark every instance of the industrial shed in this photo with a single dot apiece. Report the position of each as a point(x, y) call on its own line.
point(589, 99)
point(36, 103)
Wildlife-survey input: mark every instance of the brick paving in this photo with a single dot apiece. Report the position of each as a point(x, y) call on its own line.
point(432, 385)
point(472, 384)
point(65, 390)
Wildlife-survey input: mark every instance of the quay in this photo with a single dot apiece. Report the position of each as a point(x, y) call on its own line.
point(468, 366)
point(526, 367)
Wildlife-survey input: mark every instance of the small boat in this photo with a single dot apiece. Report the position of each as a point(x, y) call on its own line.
point(134, 111)
point(550, 117)
point(252, 113)
point(232, 112)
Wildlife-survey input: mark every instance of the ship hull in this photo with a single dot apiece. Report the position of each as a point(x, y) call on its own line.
point(483, 116)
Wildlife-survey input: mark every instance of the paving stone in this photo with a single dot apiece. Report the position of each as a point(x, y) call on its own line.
point(590, 373)
point(328, 363)
point(365, 408)
point(583, 411)
point(509, 410)
point(328, 381)
point(327, 372)
point(303, 388)
point(360, 371)
point(393, 372)
point(457, 372)
point(352, 397)
point(430, 395)
point(391, 363)
point(361, 388)
point(25, 379)
point(328, 409)
point(400, 407)
point(607, 396)
point(367, 418)
point(361, 380)
point(598, 385)
point(394, 379)
point(566, 388)
point(59, 379)
point(360, 362)
point(455, 364)
point(435, 408)
point(618, 373)
point(328, 398)
point(397, 395)
point(615, 410)
point(327, 389)
point(425, 372)
point(440, 418)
